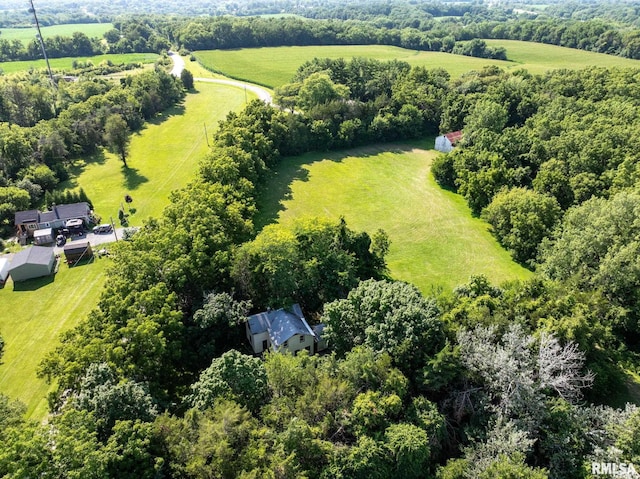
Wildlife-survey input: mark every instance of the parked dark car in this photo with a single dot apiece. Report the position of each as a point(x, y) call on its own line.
point(105, 228)
point(61, 240)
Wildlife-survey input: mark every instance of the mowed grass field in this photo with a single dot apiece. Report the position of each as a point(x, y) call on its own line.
point(33, 316)
point(276, 66)
point(538, 58)
point(163, 156)
point(435, 242)
point(67, 62)
point(27, 34)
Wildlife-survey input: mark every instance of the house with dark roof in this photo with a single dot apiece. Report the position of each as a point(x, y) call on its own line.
point(28, 222)
point(281, 330)
point(32, 262)
point(446, 142)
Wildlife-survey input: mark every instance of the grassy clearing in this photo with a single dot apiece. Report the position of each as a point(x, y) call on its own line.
point(276, 66)
point(435, 242)
point(164, 156)
point(538, 57)
point(67, 62)
point(27, 34)
point(34, 315)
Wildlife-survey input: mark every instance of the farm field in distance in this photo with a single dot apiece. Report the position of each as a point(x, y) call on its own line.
point(538, 57)
point(40, 310)
point(164, 156)
point(67, 62)
point(276, 66)
point(435, 242)
point(29, 33)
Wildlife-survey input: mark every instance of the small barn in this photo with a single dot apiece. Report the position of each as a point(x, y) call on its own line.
point(77, 251)
point(446, 142)
point(4, 270)
point(32, 263)
point(43, 236)
point(280, 330)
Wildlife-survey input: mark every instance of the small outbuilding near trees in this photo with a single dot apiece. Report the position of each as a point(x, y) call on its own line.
point(76, 252)
point(32, 263)
point(43, 236)
point(280, 330)
point(446, 142)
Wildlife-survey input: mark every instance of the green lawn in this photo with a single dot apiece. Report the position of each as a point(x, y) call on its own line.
point(164, 156)
point(435, 242)
point(275, 66)
point(67, 62)
point(27, 34)
point(538, 58)
point(33, 315)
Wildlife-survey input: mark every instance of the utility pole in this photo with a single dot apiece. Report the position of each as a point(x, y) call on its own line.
point(113, 226)
point(206, 135)
point(44, 51)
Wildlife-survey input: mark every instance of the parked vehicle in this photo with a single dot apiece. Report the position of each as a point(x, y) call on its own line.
point(105, 228)
point(61, 240)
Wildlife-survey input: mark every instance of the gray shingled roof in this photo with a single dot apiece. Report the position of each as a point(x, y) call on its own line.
point(33, 255)
point(280, 324)
point(65, 212)
point(22, 217)
point(258, 323)
point(285, 325)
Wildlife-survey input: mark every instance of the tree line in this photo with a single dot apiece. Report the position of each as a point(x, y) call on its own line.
point(127, 36)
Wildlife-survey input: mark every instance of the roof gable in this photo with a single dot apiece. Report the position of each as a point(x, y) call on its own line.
point(59, 212)
point(22, 217)
point(454, 136)
point(33, 255)
point(280, 324)
point(72, 248)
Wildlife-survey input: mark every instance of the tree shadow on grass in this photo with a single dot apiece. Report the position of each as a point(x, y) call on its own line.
point(133, 179)
point(78, 166)
point(163, 116)
point(33, 284)
point(276, 189)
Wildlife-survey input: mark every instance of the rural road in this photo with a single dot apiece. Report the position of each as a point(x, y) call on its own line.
point(178, 66)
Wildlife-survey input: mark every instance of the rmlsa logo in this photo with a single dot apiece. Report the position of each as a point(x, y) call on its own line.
point(614, 469)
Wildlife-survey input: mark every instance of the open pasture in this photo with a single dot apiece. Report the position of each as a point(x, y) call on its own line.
point(435, 242)
point(163, 156)
point(276, 66)
point(67, 62)
point(539, 57)
point(33, 316)
point(27, 34)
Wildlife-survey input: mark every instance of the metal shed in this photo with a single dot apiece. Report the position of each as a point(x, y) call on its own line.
point(32, 263)
point(43, 236)
point(76, 252)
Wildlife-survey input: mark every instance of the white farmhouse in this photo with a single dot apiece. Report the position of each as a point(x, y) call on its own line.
point(281, 330)
point(446, 142)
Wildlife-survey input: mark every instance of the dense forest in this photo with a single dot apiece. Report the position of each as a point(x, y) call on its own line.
point(482, 381)
point(527, 379)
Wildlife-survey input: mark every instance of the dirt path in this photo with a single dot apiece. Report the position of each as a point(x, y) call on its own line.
point(178, 66)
